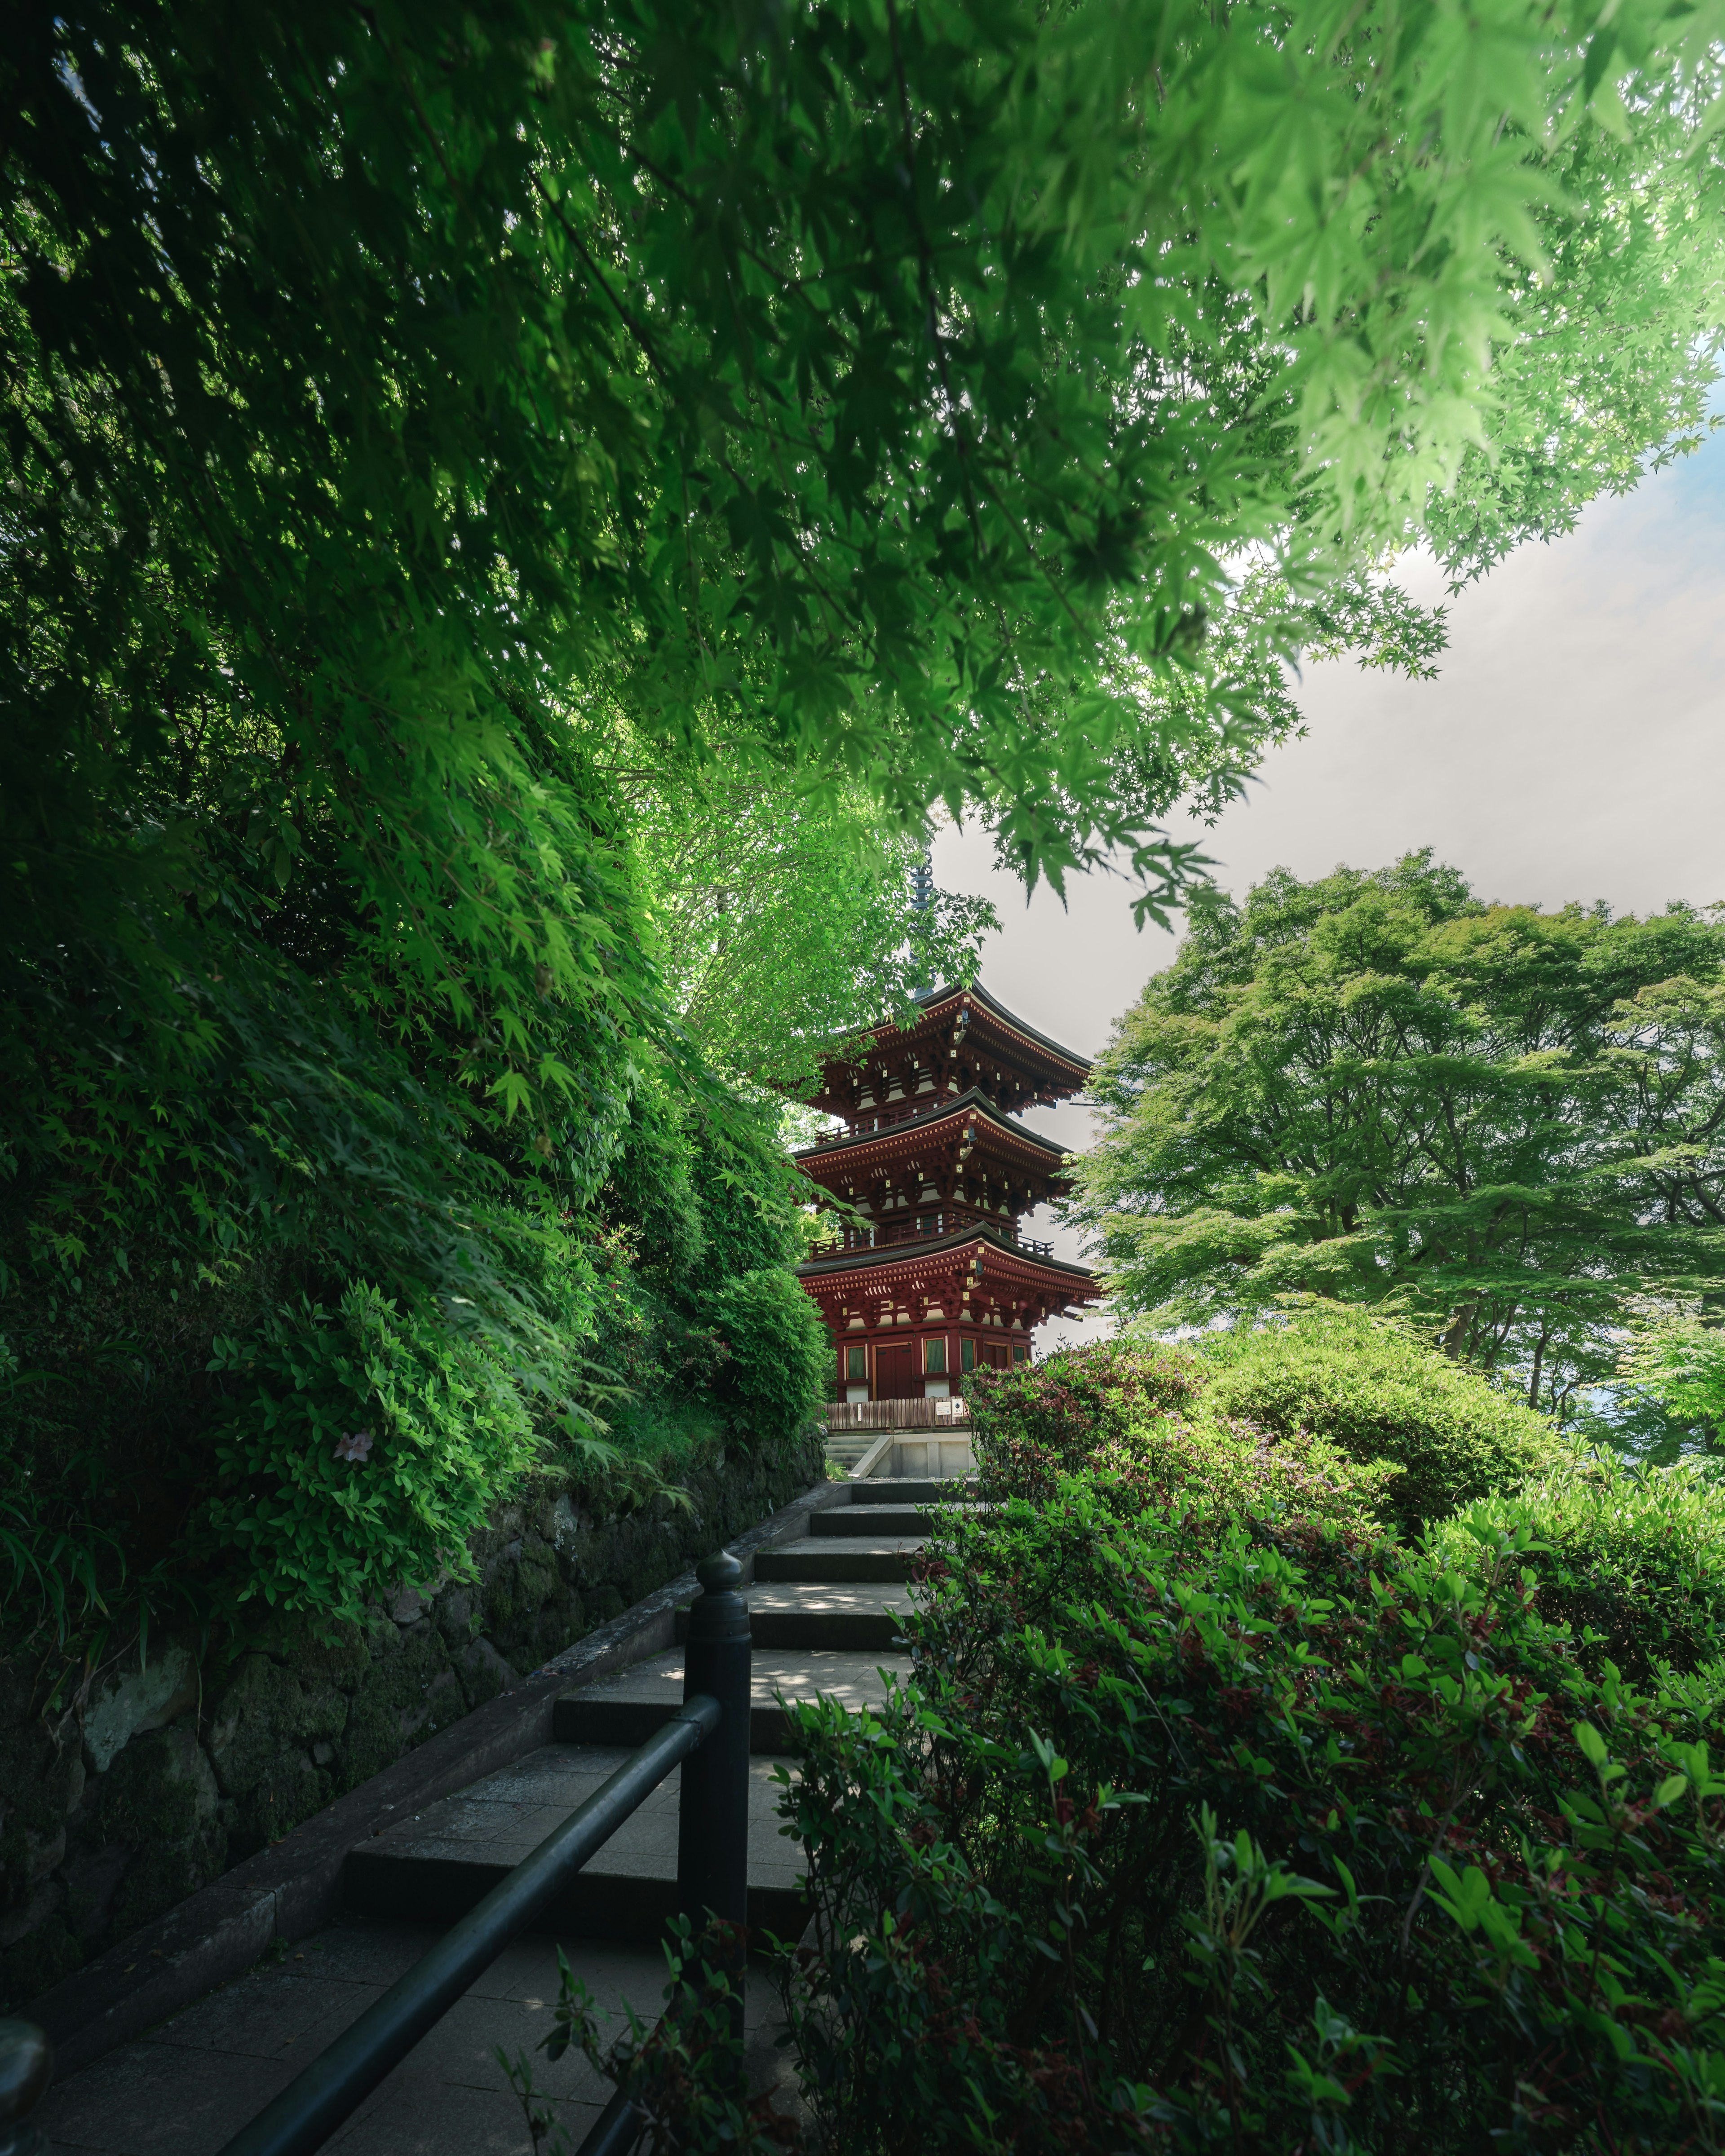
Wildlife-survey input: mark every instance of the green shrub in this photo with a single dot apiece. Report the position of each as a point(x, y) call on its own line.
point(1155, 1848)
point(1133, 1418)
point(779, 1353)
point(1065, 1406)
point(1635, 1558)
point(1331, 1414)
point(1368, 1387)
point(364, 1447)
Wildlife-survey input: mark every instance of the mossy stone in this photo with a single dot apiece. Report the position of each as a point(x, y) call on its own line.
point(408, 1695)
point(160, 1789)
point(266, 1708)
point(293, 1790)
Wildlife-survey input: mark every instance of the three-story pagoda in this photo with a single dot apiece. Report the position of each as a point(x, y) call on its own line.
point(929, 1277)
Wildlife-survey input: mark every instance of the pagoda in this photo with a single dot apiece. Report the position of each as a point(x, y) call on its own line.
point(926, 1277)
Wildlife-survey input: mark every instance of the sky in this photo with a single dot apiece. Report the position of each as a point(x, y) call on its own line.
point(1573, 747)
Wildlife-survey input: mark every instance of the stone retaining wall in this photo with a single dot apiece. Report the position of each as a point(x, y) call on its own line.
point(178, 1767)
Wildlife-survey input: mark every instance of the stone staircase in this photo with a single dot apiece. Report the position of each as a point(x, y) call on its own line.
point(824, 1613)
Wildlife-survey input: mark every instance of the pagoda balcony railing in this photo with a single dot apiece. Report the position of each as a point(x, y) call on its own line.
point(925, 1227)
point(883, 1118)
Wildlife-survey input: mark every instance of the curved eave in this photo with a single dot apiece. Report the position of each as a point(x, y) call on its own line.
point(972, 1104)
point(1069, 1067)
point(914, 1256)
point(934, 1001)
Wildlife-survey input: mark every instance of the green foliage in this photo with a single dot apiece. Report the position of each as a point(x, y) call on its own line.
point(780, 1353)
point(1143, 1416)
point(1677, 1363)
point(784, 920)
point(362, 1448)
point(1368, 1386)
point(1631, 1560)
point(1374, 1087)
point(1324, 1414)
point(751, 1199)
point(1155, 1847)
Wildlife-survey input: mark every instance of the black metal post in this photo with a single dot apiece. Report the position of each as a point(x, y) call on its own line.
point(713, 1815)
point(26, 2068)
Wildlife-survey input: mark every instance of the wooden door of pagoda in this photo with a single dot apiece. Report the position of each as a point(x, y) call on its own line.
point(896, 1377)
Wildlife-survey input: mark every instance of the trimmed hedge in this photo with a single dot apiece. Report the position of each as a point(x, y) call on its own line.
point(1633, 1562)
point(1375, 1390)
point(1332, 1415)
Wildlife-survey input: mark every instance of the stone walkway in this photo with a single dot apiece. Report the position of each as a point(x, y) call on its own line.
point(189, 2086)
point(824, 1613)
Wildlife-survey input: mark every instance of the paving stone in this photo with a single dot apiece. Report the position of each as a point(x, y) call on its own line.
point(191, 2085)
point(148, 2097)
point(269, 2014)
point(427, 2117)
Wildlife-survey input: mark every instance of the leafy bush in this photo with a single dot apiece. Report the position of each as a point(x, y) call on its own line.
point(1636, 1559)
point(364, 1449)
point(1157, 1848)
point(1374, 1391)
point(1135, 1418)
point(779, 1353)
point(1069, 1403)
point(1331, 1414)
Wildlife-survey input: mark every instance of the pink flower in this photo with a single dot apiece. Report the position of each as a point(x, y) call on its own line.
point(355, 1447)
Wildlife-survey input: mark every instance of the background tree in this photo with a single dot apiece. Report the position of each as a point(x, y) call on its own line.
point(784, 920)
point(1375, 1087)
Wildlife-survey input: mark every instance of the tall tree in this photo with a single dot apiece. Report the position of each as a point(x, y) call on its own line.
point(783, 922)
point(1374, 1086)
point(921, 403)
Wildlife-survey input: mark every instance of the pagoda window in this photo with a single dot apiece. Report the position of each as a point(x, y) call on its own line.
point(857, 1365)
point(967, 1354)
point(934, 1357)
point(1020, 1351)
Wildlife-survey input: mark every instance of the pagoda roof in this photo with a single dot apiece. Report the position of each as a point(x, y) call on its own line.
point(934, 1002)
point(891, 1258)
point(1055, 1071)
point(891, 1138)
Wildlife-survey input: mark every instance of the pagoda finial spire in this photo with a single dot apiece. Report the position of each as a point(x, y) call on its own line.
point(922, 902)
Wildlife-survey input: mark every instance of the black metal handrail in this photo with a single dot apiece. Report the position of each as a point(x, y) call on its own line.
point(708, 1736)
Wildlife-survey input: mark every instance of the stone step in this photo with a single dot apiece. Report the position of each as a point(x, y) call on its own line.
point(871, 1519)
point(913, 1490)
point(626, 1709)
point(836, 1559)
point(435, 1866)
point(836, 1625)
